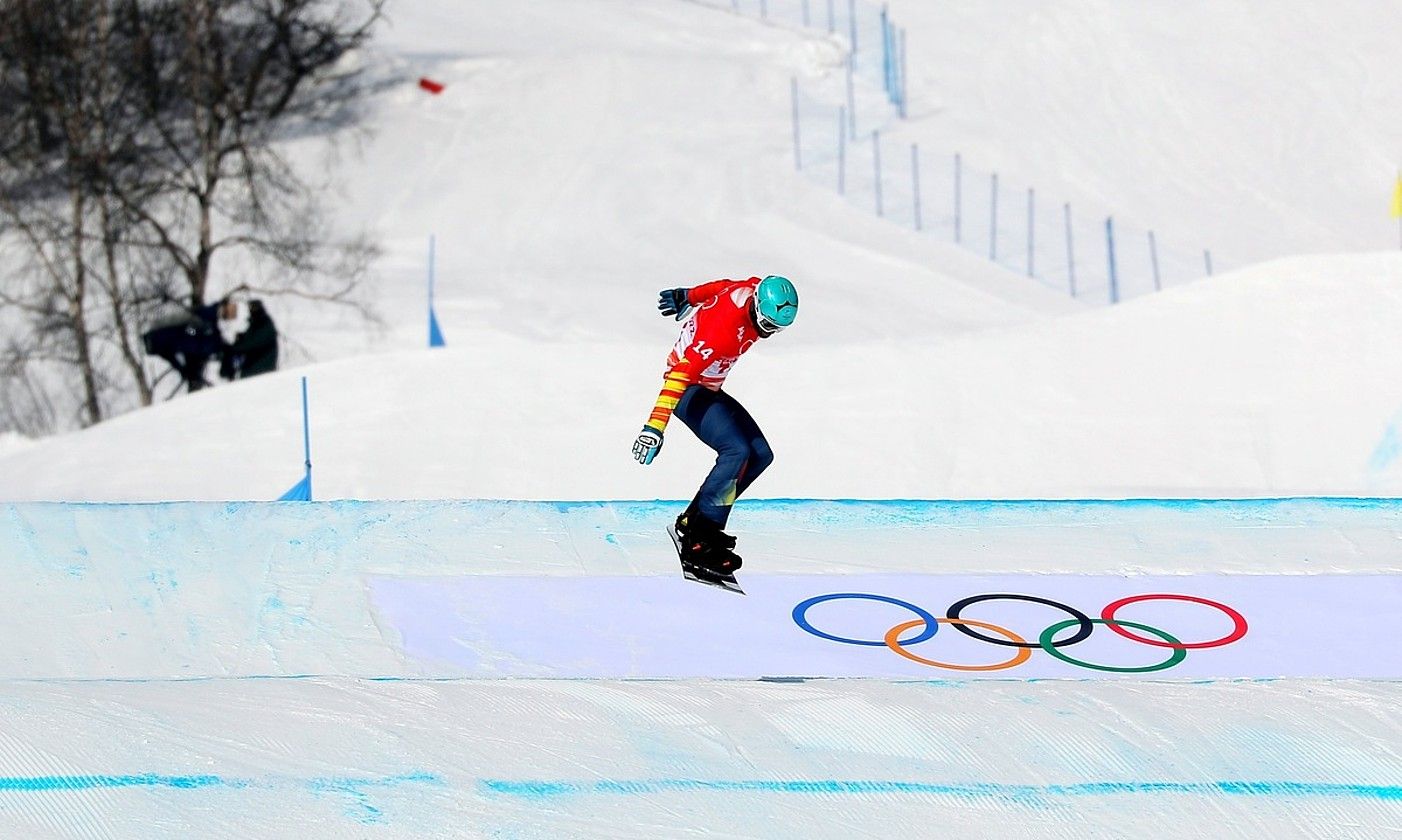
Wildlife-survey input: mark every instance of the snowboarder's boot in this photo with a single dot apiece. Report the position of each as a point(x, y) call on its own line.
point(706, 547)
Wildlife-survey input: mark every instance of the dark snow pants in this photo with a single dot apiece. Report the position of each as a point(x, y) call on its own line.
point(742, 453)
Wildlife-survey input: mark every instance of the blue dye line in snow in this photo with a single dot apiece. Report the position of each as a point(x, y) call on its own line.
point(46, 783)
point(94, 781)
point(355, 791)
point(1189, 503)
point(545, 789)
point(934, 506)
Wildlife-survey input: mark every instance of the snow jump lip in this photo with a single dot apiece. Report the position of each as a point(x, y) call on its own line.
point(893, 589)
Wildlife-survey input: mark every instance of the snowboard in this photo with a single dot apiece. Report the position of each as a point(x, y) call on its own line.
point(699, 575)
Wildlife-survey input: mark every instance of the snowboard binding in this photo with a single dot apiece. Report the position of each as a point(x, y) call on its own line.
point(706, 552)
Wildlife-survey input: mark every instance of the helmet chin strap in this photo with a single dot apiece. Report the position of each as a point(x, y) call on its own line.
point(754, 319)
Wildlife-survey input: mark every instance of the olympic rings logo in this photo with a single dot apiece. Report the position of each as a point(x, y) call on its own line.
point(1048, 639)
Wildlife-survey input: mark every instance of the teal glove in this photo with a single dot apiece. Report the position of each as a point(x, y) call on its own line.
point(648, 444)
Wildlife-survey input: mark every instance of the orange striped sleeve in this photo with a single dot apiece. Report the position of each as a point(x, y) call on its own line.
point(674, 384)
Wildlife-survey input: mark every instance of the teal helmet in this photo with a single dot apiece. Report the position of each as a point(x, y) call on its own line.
point(776, 304)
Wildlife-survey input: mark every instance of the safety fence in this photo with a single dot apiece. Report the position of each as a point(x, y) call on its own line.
point(1090, 255)
point(843, 127)
point(875, 44)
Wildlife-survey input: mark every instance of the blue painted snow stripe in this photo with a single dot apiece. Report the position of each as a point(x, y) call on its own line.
point(563, 506)
point(547, 789)
point(355, 791)
point(45, 783)
point(95, 781)
point(1187, 502)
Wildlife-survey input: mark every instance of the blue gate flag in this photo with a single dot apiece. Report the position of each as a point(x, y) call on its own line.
point(302, 490)
point(435, 333)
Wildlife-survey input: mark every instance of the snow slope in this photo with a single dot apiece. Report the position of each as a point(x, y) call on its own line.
point(326, 757)
point(199, 590)
point(1257, 130)
point(236, 670)
point(1279, 380)
point(583, 156)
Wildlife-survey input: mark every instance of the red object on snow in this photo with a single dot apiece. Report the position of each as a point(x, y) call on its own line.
point(430, 85)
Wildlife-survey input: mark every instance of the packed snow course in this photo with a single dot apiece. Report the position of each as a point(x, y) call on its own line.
point(539, 669)
point(339, 669)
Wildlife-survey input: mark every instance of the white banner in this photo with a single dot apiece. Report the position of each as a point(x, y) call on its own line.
point(996, 626)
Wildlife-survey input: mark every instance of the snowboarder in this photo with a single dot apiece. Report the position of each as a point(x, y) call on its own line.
point(730, 316)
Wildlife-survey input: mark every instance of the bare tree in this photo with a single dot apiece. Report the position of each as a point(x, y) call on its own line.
point(50, 156)
point(220, 81)
point(142, 141)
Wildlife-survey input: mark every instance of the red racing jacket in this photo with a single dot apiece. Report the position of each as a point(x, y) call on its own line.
point(712, 339)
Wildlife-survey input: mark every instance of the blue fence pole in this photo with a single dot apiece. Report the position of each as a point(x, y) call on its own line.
point(797, 146)
point(764, 9)
point(1154, 260)
point(876, 156)
point(851, 98)
point(915, 182)
point(832, 18)
point(306, 438)
point(302, 490)
point(890, 35)
point(886, 51)
point(958, 197)
point(1070, 252)
point(901, 85)
point(993, 220)
point(735, 6)
point(1031, 226)
point(1207, 260)
point(1110, 254)
point(841, 152)
point(852, 19)
point(807, 21)
point(893, 35)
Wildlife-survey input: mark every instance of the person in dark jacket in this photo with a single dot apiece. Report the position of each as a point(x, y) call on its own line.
point(187, 342)
point(250, 339)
